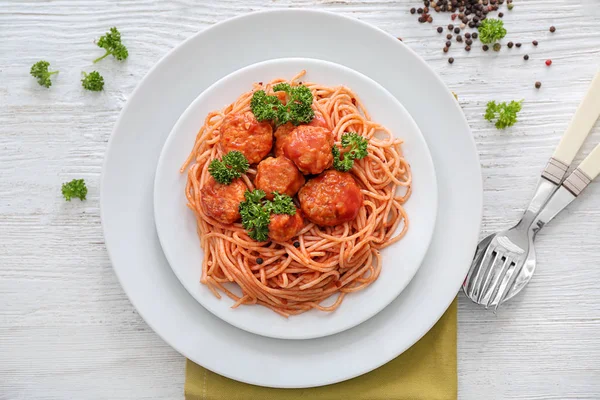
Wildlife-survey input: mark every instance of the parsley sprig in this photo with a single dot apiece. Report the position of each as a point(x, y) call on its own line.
point(504, 113)
point(356, 149)
point(111, 42)
point(256, 212)
point(39, 71)
point(491, 30)
point(76, 188)
point(297, 109)
point(230, 167)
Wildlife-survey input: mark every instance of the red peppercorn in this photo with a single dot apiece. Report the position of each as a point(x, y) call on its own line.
point(548, 62)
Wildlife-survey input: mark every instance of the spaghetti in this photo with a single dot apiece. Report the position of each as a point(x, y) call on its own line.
point(297, 276)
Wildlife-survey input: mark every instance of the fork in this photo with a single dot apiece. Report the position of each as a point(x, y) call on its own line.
point(505, 261)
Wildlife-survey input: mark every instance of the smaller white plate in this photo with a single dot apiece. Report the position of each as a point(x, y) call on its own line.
point(176, 225)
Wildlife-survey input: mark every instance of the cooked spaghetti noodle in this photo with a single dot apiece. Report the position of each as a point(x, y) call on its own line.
point(329, 260)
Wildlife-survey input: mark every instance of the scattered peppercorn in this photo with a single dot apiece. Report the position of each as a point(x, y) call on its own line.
point(538, 84)
point(510, 6)
point(296, 244)
point(446, 49)
point(510, 45)
point(548, 62)
point(552, 29)
point(430, 19)
point(497, 46)
point(469, 42)
point(475, 35)
point(526, 57)
point(468, 35)
point(459, 39)
point(419, 11)
point(518, 44)
point(413, 10)
point(440, 29)
point(468, 48)
point(259, 260)
point(450, 60)
point(535, 42)
point(450, 27)
point(449, 36)
point(457, 30)
point(500, 15)
point(485, 47)
point(448, 43)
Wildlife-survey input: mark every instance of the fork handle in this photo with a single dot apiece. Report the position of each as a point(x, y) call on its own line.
point(572, 187)
point(586, 115)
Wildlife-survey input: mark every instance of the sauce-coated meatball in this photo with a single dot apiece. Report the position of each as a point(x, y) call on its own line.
point(242, 132)
point(309, 147)
point(278, 175)
point(331, 198)
point(282, 133)
point(283, 227)
point(222, 202)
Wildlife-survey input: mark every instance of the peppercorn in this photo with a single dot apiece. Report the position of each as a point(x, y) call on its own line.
point(413, 10)
point(538, 84)
point(485, 47)
point(448, 43)
point(467, 35)
point(518, 44)
point(450, 27)
point(510, 45)
point(475, 35)
point(468, 48)
point(526, 57)
point(450, 60)
point(457, 30)
point(535, 42)
point(469, 42)
point(449, 36)
point(259, 260)
point(440, 29)
point(552, 29)
point(497, 46)
point(510, 6)
point(296, 244)
point(445, 49)
point(500, 15)
point(430, 19)
point(459, 39)
point(548, 62)
point(419, 10)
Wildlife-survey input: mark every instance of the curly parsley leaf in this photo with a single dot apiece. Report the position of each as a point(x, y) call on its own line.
point(75, 188)
point(504, 113)
point(92, 81)
point(111, 42)
point(297, 110)
point(281, 204)
point(355, 149)
point(230, 167)
point(491, 30)
point(39, 71)
point(255, 215)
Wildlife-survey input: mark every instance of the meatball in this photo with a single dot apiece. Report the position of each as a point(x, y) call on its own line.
point(331, 198)
point(278, 175)
point(309, 147)
point(282, 136)
point(242, 132)
point(283, 227)
point(222, 202)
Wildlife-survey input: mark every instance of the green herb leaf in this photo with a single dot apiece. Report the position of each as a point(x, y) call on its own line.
point(230, 167)
point(255, 215)
point(505, 114)
point(75, 188)
point(111, 42)
point(39, 70)
point(92, 81)
point(491, 30)
point(356, 149)
point(281, 204)
point(297, 110)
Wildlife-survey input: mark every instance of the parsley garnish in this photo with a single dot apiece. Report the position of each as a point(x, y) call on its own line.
point(491, 30)
point(357, 150)
point(256, 212)
point(111, 42)
point(75, 188)
point(297, 110)
point(39, 71)
point(92, 81)
point(506, 114)
point(230, 167)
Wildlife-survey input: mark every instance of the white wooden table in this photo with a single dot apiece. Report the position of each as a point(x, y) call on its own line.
point(67, 330)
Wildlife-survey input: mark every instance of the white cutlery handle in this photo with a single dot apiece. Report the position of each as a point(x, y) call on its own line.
point(591, 165)
point(586, 115)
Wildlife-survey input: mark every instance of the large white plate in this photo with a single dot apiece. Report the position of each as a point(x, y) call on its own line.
point(176, 224)
point(127, 186)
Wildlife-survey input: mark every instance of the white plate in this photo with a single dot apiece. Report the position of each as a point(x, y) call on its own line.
point(128, 178)
point(176, 224)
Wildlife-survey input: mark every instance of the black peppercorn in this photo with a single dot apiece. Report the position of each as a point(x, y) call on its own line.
point(510, 45)
point(440, 29)
point(450, 60)
point(468, 48)
point(296, 244)
point(475, 35)
point(518, 44)
point(448, 43)
point(413, 10)
point(552, 29)
point(535, 42)
point(449, 36)
point(526, 57)
point(485, 47)
point(538, 84)
point(457, 30)
point(259, 260)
